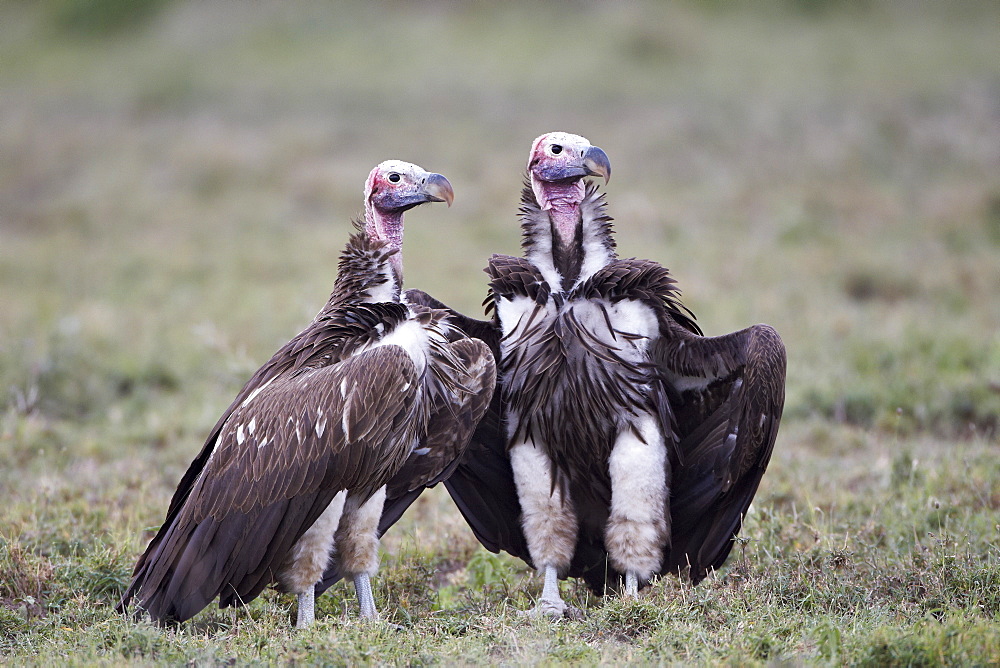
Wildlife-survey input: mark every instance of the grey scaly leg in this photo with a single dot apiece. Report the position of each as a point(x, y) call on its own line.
point(363, 587)
point(551, 604)
point(631, 585)
point(307, 608)
point(550, 590)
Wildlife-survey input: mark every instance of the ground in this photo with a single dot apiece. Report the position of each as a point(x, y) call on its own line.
point(177, 178)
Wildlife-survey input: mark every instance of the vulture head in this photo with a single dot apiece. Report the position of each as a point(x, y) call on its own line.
point(557, 165)
point(393, 188)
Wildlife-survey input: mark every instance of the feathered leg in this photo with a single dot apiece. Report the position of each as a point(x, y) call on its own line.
point(308, 559)
point(550, 525)
point(638, 528)
point(357, 547)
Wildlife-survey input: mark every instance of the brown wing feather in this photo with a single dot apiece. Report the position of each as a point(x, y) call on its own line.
point(482, 485)
point(304, 423)
point(258, 492)
point(453, 419)
point(454, 416)
point(728, 394)
point(320, 343)
point(484, 330)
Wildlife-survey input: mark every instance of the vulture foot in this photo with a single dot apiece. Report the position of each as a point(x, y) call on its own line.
point(554, 609)
point(551, 604)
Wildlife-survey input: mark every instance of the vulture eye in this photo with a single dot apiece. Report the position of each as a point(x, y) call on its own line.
point(556, 149)
point(394, 177)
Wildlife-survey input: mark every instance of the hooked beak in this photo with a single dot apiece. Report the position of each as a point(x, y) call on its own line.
point(438, 189)
point(596, 163)
point(433, 188)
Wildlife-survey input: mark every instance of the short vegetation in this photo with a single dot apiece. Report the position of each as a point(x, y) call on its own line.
point(176, 179)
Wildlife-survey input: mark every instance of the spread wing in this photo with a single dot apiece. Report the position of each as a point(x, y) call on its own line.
point(482, 485)
point(727, 396)
point(269, 470)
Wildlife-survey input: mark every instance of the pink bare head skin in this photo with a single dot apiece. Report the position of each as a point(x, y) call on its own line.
point(557, 166)
point(393, 188)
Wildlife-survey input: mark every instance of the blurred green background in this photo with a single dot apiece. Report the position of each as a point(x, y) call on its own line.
point(177, 178)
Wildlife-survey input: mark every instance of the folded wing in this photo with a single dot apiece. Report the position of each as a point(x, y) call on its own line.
point(273, 464)
point(457, 405)
point(482, 484)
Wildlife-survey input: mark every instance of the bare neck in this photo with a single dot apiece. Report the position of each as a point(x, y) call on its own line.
point(565, 231)
point(387, 226)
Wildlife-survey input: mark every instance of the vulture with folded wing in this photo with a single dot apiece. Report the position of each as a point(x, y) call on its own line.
point(622, 443)
point(294, 473)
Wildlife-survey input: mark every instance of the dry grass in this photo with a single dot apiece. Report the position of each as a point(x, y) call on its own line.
point(175, 185)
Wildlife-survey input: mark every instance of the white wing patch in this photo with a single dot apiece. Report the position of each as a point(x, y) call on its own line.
point(626, 326)
point(295, 423)
point(253, 395)
point(731, 439)
point(346, 427)
point(411, 337)
point(633, 317)
point(685, 383)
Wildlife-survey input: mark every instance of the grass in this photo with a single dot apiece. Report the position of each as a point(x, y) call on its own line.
point(175, 184)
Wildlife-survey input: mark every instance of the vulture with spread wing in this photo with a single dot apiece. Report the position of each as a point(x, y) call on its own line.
point(294, 474)
point(622, 443)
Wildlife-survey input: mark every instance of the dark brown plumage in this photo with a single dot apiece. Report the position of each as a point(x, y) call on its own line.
point(334, 414)
point(602, 368)
point(241, 504)
point(451, 423)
